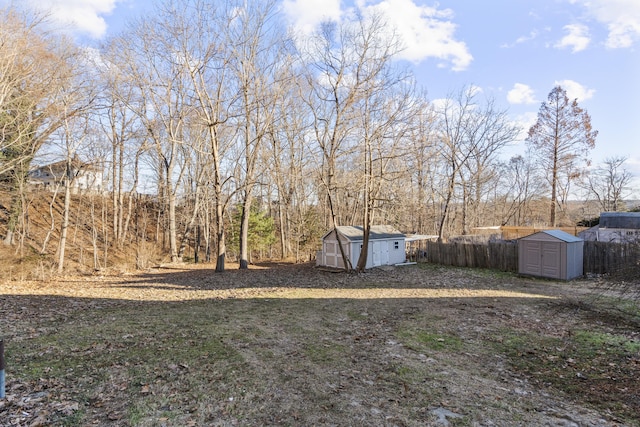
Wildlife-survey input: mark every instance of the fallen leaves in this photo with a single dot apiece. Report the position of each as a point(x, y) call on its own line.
point(33, 409)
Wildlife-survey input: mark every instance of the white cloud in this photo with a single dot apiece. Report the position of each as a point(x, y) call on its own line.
point(306, 15)
point(524, 122)
point(426, 32)
point(440, 104)
point(521, 94)
point(83, 15)
point(576, 90)
point(522, 39)
point(577, 38)
point(622, 18)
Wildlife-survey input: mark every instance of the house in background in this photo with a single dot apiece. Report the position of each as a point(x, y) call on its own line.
point(86, 177)
point(386, 246)
point(616, 227)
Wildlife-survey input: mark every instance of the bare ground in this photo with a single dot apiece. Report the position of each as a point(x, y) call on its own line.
point(295, 345)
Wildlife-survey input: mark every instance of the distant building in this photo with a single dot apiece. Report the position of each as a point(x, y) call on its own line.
point(619, 227)
point(85, 177)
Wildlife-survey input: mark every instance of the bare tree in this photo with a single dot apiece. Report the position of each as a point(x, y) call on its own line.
point(212, 98)
point(37, 68)
point(155, 57)
point(520, 183)
point(609, 183)
point(72, 137)
point(289, 163)
point(348, 64)
point(562, 138)
point(421, 153)
point(258, 46)
point(470, 137)
point(386, 113)
point(487, 131)
point(123, 129)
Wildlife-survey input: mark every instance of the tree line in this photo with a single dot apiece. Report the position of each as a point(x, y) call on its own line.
point(213, 119)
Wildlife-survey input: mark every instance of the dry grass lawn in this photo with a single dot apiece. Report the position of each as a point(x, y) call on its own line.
point(295, 345)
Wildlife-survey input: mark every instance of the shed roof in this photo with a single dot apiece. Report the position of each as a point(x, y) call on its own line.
point(628, 220)
point(558, 234)
point(418, 237)
point(355, 232)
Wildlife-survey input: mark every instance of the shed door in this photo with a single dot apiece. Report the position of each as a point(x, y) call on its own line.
point(550, 259)
point(532, 258)
point(384, 253)
point(542, 259)
point(380, 253)
point(377, 252)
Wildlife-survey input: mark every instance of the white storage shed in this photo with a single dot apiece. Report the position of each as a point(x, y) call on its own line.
point(386, 246)
point(551, 253)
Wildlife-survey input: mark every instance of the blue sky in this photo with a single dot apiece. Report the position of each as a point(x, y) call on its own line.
point(515, 51)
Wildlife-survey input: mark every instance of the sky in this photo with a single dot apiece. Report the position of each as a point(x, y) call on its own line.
point(514, 51)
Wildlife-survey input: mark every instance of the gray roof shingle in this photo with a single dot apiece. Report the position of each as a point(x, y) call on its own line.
point(355, 232)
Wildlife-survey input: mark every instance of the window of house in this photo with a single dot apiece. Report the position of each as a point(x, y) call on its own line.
point(396, 245)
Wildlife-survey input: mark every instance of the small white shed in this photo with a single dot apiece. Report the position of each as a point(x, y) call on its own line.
point(551, 253)
point(386, 246)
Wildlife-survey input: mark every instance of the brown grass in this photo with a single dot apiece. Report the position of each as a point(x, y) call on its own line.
point(293, 345)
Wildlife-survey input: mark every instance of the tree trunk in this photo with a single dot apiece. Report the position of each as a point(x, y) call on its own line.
point(52, 219)
point(18, 181)
point(221, 247)
point(244, 231)
point(65, 223)
point(450, 190)
point(173, 240)
point(554, 184)
point(115, 187)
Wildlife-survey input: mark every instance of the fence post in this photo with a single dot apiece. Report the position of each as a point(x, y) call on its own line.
point(1, 368)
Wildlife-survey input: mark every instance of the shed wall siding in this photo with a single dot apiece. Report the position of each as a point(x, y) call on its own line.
point(575, 259)
point(331, 252)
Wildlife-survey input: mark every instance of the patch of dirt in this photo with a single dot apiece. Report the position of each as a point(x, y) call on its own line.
point(404, 346)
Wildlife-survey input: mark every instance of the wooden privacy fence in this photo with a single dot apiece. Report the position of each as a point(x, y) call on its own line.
point(599, 257)
point(603, 257)
point(495, 255)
